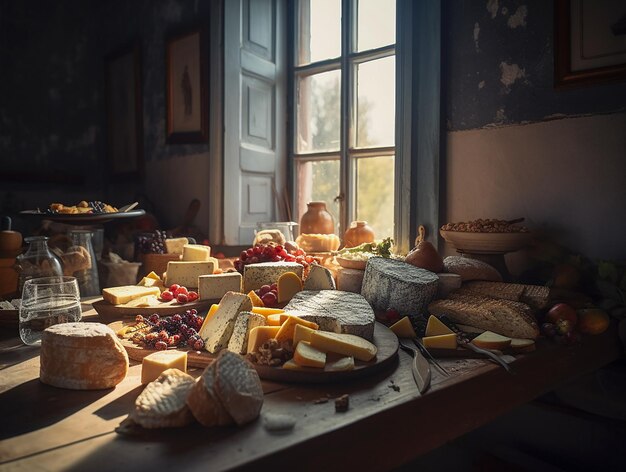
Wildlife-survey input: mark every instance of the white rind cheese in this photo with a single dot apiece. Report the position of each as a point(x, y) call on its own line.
point(196, 252)
point(335, 310)
point(82, 356)
point(319, 278)
point(267, 273)
point(215, 286)
point(186, 273)
point(350, 280)
point(389, 283)
point(217, 331)
point(243, 324)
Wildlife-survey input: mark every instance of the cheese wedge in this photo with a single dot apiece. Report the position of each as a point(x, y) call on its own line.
point(302, 333)
point(156, 363)
point(346, 344)
point(245, 322)
point(259, 335)
point(288, 285)
point(338, 364)
point(490, 340)
point(435, 327)
point(208, 316)
point(126, 293)
point(307, 356)
point(152, 282)
point(441, 341)
point(255, 299)
point(522, 345)
point(275, 319)
point(196, 252)
point(265, 311)
point(288, 327)
point(403, 328)
point(216, 332)
point(143, 302)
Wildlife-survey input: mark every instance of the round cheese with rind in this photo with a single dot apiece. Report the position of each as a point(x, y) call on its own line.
point(82, 356)
point(394, 284)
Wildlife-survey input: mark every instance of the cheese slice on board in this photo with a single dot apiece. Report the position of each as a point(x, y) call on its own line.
point(522, 345)
point(156, 363)
point(216, 332)
point(441, 341)
point(307, 356)
point(346, 344)
point(126, 293)
point(274, 319)
point(287, 328)
point(435, 327)
point(196, 252)
point(244, 323)
point(256, 300)
point(301, 333)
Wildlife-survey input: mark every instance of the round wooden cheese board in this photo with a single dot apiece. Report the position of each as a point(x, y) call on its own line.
point(384, 339)
point(109, 313)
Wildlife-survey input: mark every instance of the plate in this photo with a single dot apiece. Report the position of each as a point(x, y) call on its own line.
point(486, 243)
point(83, 218)
point(350, 263)
point(384, 339)
point(109, 313)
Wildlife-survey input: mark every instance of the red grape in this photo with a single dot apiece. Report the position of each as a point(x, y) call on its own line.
point(193, 296)
point(182, 298)
point(174, 287)
point(180, 290)
point(264, 289)
point(269, 299)
point(160, 345)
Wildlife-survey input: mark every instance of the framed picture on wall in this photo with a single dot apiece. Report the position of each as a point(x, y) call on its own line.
point(590, 41)
point(186, 82)
point(124, 112)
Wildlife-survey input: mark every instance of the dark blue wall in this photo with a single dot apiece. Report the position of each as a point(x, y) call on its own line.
point(480, 36)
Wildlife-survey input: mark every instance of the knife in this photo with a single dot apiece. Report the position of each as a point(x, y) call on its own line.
point(491, 355)
point(419, 368)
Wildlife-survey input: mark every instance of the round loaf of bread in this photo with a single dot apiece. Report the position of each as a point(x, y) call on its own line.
point(82, 356)
point(471, 269)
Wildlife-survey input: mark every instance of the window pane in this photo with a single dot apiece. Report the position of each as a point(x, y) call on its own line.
point(318, 112)
point(320, 30)
point(376, 103)
point(376, 23)
point(318, 181)
point(375, 193)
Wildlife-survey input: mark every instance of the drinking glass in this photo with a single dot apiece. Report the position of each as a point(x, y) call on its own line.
point(47, 301)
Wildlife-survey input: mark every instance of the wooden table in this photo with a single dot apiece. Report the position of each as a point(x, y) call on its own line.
point(388, 423)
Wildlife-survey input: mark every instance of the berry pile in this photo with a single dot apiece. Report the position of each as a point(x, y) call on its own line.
point(268, 295)
point(172, 331)
point(152, 243)
point(272, 253)
point(180, 293)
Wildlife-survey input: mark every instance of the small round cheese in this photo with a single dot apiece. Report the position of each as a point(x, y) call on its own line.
point(82, 356)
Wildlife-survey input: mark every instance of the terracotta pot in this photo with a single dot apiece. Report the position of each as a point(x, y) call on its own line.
point(317, 220)
point(358, 233)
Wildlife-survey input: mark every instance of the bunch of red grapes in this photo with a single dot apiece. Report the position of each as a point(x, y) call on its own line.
point(178, 330)
point(272, 253)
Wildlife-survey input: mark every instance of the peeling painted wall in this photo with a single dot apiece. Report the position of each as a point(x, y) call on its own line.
point(498, 61)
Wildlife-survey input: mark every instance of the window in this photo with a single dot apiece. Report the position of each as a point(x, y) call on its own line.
point(343, 109)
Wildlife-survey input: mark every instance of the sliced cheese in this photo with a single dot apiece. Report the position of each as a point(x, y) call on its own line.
point(186, 273)
point(275, 319)
point(209, 315)
point(215, 286)
point(293, 365)
point(287, 328)
point(196, 252)
point(175, 245)
point(403, 328)
point(338, 363)
point(302, 333)
point(265, 311)
point(435, 327)
point(306, 355)
point(522, 345)
point(156, 363)
point(259, 335)
point(345, 344)
point(288, 285)
point(153, 275)
point(126, 293)
point(152, 282)
point(244, 323)
point(490, 340)
point(255, 299)
point(216, 332)
point(441, 341)
point(143, 302)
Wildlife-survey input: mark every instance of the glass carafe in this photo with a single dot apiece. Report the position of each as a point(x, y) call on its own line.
point(37, 261)
point(80, 261)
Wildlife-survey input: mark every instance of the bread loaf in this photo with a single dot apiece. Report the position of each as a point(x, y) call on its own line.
point(471, 269)
point(536, 296)
point(204, 403)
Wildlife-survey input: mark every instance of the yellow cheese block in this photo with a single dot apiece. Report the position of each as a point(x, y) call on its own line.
point(345, 344)
point(126, 293)
point(403, 328)
point(490, 340)
point(153, 275)
point(336, 363)
point(435, 327)
point(259, 334)
point(288, 327)
point(274, 319)
point(265, 311)
point(256, 301)
point(196, 252)
point(154, 364)
point(302, 333)
point(441, 341)
point(288, 285)
point(307, 356)
point(175, 245)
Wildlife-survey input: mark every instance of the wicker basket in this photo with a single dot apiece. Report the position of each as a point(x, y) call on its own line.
point(156, 263)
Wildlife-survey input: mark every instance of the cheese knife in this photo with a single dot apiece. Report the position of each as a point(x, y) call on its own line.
point(491, 355)
point(419, 368)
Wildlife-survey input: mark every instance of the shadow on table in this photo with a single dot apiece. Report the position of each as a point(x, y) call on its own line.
point(33, 405)
point(120, 406)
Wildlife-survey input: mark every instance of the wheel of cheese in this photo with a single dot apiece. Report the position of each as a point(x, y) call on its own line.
point(393, 284)
point(82, 356)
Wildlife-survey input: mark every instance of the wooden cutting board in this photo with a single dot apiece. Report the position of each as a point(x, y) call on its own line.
point(384, 339)
point(109, 313)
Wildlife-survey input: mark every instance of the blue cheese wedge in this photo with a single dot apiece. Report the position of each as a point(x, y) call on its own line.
point(218, 330)
point(243, 324)
point(319, 278)
point(334, 310)
point(186, 273)
point(267, 273)
point(389, 283)
point(215, 286)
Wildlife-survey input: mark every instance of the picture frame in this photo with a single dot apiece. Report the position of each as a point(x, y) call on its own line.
point(124, 109)
point(590, 42)
point(187, 100)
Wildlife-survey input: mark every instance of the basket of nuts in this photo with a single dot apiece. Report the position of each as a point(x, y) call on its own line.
point(488, 236)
